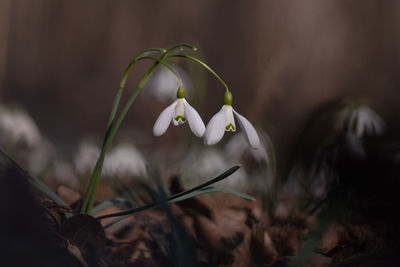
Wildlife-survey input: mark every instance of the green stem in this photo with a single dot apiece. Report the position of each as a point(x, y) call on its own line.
point(125, 77)
point(114, 125)
point(165, 65)
point(117, 98)
point(205, 66)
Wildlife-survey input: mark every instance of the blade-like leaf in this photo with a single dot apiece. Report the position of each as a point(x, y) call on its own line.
point(213, 189)
point(203, 191)
point(154, 204)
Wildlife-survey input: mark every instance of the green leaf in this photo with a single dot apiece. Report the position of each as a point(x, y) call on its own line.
point(154, 204)
point(203, 191)
point(213, 189)
point(42, 187)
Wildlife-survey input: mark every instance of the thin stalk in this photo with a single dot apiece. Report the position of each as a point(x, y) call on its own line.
point(114, 125)
point(124, 78)
point(114, 110)
point(205, 66)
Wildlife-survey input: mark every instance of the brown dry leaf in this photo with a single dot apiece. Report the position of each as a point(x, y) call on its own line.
point(117, 227)
point(221, 227)
point(335, 236)
point(87, 234)
point(74, 250)
point(55, 213)
point(68, 195)
point(261, 247)
point(288, 233)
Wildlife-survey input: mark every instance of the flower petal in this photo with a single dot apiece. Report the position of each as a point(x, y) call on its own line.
point(179, 113)
point(163, 121)
point(195, 122)
point(215, 129)
point(249, 131)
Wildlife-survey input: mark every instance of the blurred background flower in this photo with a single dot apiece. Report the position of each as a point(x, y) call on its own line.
point(163, 84)
point(17, 128)
point(125, 161)
point(361, 120)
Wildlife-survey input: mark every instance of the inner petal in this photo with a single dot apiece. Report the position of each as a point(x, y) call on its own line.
point(229, 120)
point(179, 114)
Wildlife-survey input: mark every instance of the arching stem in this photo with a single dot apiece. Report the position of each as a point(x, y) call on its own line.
point(113, 125)
point(205, 66)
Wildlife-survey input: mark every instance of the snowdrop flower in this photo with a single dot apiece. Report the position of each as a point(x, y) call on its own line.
point(86, 157)
point(125, 161)
point(16, 126)
point(178, 113)
point(224, 121)
point(361, 121)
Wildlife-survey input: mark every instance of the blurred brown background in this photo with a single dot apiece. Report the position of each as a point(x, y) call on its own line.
point(62, 60)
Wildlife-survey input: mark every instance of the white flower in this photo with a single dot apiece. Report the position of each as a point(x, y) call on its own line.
point(86, 157)
point(178, 113)
point(224, 121)
point(125, 161)
point(16, 126)
point(361, 121)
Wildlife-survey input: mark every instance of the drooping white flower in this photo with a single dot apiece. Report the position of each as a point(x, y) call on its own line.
point(178, 113)
point(224, 121)
point(361, 121)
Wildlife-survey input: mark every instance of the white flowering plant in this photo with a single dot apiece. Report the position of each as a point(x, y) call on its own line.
point(177, 113)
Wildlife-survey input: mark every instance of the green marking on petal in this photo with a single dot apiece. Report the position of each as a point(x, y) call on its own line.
point(230, 127)
point(179, 117)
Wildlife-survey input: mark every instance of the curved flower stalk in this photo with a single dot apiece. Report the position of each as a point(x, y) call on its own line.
point(224, 121)
point(178, 113)
point(114, 123)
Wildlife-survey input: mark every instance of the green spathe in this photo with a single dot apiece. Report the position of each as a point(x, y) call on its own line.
point(228, 98)
point(180, 93)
